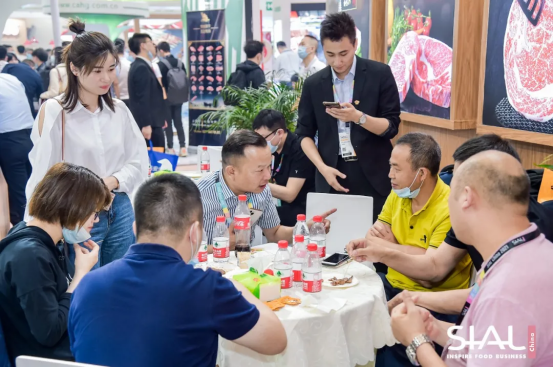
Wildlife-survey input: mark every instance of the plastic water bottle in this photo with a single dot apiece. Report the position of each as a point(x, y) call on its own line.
point(242, 232)
point(202, 254)
point(301, 229)
point(283, 265)
point(312, 273)
point(318, 236)
point(221, 249)
point(298, 256)
point(205, 162)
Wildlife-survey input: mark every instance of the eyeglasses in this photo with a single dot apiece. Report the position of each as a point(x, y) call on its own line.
point(270, 134)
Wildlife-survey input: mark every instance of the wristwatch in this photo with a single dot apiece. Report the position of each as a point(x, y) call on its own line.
point(362, 120)
point(412, 349)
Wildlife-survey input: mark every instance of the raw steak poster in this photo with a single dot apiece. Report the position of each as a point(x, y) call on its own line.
point(518, 86)
point(420, 53)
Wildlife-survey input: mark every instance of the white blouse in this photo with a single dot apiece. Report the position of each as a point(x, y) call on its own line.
point(106, 142)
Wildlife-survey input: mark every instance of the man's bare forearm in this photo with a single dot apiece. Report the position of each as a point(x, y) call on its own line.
point(418, 267)
point(446, 302)
point(311, 151)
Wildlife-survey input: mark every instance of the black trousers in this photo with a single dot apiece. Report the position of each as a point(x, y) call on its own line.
point(357, 183)
point(174, 116)
point(158, 138)
point(15, 165)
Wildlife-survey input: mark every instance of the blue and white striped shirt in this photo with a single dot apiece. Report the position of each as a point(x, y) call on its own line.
point(212, 207)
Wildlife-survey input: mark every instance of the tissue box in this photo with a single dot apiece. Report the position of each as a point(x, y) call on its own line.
point(264, 287)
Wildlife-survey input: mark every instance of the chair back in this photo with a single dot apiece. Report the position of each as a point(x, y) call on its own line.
point(352, 220)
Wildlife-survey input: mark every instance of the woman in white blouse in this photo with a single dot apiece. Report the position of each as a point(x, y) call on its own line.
point(58, 77)
point(99, 133)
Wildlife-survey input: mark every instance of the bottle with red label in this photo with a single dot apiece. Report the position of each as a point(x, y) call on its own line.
point(283, 265)
point(298, 256)
point(205, 162)
point(312, 273)
point(318, 235)
point(242, 232)
point(202, 253)
point(221, 249)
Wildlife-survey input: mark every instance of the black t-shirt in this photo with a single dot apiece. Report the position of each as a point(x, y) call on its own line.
point(295, 164)
point(537, 213)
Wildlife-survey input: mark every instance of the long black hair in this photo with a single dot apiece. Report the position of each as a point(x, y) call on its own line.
point(86, 51)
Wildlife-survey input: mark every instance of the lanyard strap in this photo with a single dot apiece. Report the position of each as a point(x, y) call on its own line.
point(273, 172)
point(223, 202)
point(523, 239)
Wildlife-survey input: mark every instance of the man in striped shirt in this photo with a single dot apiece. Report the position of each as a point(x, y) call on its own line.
point(246, 170)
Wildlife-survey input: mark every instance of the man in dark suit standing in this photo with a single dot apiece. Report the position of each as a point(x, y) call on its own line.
point(354, 139)
point(145, 92)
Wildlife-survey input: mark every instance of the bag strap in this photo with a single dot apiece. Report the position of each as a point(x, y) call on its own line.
point(62, 131)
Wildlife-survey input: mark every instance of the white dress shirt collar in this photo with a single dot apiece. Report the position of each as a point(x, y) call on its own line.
point(351, 71)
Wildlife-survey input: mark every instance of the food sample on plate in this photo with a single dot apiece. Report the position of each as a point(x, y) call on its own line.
point(219, 68)
point(193, 79)
point(192, 69)
point(219, 79)
point(200, 48)
point(200, 58)
point(219, 89)
point(192, 58)
point(210, 89)
point(201, 78)
point(201, 69)
point(192, 48)
point(193, 88)
point(209, 48)
point(280, 303)
point(193, 98)
point(219, 58)
point(209, 58)
point(218, 48)
point(336, 281)
point(211, 79)
point(201, 88)
point(275, 305)
point(209, 68)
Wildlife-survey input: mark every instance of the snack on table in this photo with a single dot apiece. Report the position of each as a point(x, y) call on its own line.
point(336, 281)
point(264, 287)
point(275, 305)
point(280, 303)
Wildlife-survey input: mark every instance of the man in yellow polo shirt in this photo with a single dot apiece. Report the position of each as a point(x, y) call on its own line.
point(414, 219)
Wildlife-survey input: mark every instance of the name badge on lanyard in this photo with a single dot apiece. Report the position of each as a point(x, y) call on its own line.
point(346, 147)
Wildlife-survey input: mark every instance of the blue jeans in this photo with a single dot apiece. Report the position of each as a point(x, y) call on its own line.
point(395, 356)
point(114, 231)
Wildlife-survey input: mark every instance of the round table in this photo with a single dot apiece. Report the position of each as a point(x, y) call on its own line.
point(345, 337)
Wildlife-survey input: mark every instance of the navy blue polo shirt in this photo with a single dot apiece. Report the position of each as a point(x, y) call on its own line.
point(150, 308)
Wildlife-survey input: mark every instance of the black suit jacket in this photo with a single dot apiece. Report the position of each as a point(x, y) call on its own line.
point(145, 95)
point(376, 90)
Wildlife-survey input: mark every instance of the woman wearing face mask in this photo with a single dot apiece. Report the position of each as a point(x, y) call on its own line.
point(58, 76)
point(36, 278)
point(292, 173)
point(87, 127)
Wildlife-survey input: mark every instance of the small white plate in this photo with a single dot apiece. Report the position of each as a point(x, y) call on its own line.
point(328, 276)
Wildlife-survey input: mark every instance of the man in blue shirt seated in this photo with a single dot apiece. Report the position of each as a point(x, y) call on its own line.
point(151, 308)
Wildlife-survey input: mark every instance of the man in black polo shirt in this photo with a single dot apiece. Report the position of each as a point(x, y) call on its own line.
point(292, 174)
point(438, 263)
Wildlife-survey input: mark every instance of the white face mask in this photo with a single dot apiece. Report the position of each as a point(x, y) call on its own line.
point(406, 192)
point(75, 236)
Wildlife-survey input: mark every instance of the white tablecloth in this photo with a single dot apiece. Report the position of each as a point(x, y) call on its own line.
point(340, 338)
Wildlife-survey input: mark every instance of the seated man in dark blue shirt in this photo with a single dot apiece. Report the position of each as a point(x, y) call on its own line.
point(151, 308)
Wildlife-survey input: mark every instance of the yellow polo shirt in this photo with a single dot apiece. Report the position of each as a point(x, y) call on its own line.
point(426, 228)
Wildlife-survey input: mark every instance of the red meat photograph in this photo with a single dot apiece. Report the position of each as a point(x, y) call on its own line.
point(420, 54)
point(518, 83)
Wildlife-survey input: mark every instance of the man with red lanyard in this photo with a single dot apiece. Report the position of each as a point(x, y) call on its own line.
point(506, 318)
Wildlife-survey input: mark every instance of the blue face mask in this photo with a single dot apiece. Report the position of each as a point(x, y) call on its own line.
point(406, 192)
point(75, 236)
point(151, 56)
point(302, 52)
point(273, 148)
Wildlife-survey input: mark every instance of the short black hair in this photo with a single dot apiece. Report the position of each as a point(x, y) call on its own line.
point(337, 26)
point(21, 49)
point(65, 43)
point(3, 52)
point(136, 40)
point(41, 55)
point(237, 143)
point(252, 48)
point(425, 151)
point(281, 44)
point(483, 143)
point(164, 46)
point(168, 204)
point(12, 56)
point(119, 45)
point(270, 119)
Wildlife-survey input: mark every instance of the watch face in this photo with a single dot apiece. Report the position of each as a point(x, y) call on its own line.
point(362, 120)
